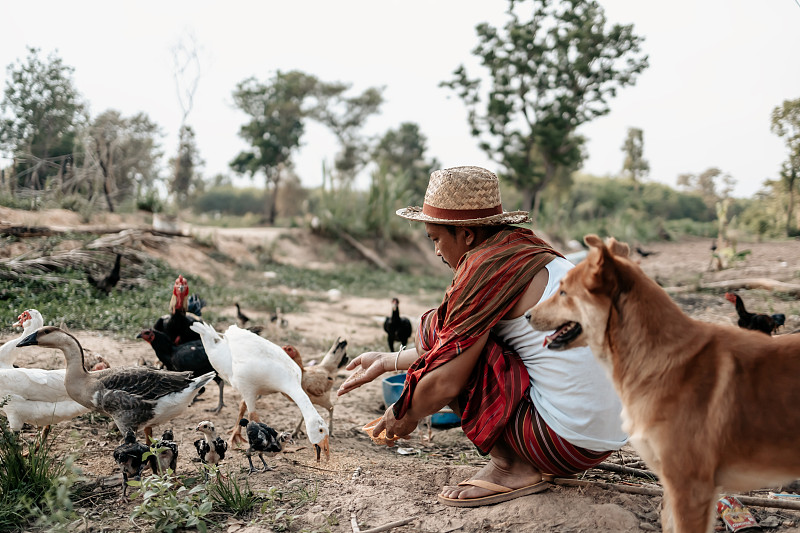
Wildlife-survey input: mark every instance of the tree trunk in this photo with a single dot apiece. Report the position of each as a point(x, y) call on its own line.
point(789, 210)
point(106, 184)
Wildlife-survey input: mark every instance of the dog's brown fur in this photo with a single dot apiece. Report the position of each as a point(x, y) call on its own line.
point(706, 406)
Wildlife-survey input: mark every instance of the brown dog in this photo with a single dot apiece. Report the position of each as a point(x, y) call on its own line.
point(706, 406)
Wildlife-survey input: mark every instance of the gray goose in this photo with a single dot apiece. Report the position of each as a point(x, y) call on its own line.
point(133, 396)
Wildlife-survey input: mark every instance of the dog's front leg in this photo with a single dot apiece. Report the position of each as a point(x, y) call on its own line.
point(687, 505)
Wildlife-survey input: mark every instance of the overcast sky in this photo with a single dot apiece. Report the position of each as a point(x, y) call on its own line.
point(717, 69)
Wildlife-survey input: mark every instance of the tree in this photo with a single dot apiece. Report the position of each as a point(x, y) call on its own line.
point(400, 154)
point(185, 166)
point(277, 113)
point(635, 165)
point(785, 123)
point(345, 117)
point(712, 184)
point(549, 75)
point(123, 153)
point(42, 111)
point(186, 62)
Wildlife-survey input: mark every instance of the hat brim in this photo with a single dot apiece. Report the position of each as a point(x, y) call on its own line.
point(507, 217)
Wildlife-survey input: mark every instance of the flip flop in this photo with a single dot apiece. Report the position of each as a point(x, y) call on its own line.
point(503, 494)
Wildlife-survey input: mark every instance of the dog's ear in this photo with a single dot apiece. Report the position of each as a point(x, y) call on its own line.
point(618, 248)
point(594, 261)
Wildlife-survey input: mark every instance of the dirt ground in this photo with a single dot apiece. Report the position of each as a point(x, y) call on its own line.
point(377, 485)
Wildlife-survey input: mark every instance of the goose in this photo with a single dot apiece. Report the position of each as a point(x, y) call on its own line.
point(253, 365)
point(35, 396)
point(29, 320)
point(132, 396)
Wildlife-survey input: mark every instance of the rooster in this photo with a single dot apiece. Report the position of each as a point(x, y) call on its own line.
point(396, 327)
point(317, 380)
point(757, 321)
point(176, 323)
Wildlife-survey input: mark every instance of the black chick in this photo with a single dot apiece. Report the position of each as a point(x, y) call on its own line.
point(109, 282)
point(397, 328)
point(189, 356)
point(128, 456)
point(262, 439)
point(211, 448)
point(165, 454)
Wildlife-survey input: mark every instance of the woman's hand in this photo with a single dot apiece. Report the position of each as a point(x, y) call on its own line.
point(371, 364)
point(395, 428)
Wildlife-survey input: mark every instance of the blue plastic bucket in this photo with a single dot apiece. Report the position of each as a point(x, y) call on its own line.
point(393, 387)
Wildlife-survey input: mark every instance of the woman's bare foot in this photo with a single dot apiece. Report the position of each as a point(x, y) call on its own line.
point(507, 472)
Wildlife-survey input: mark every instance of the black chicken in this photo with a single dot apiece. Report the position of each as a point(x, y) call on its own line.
point(195, 305)
point(397, 328)
point(241, 317)
point(176, 323)
point(262, 439)
point(757, 321)
point(644, 253)
point(189, 356)
point(165, 454)
point(107, 283)
point(128, 456)
point(211, 448)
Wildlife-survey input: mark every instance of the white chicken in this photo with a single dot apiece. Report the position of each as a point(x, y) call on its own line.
point(253, 365)
point(29, 320)
point(35, 396)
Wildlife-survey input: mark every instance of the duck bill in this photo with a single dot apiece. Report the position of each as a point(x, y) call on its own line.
point(323, 447)
point(30, 340)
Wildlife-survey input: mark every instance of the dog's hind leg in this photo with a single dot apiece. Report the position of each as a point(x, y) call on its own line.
point(687, 506)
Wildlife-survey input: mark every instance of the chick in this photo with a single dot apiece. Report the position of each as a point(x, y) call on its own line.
point(210, 448)
point(129, 456)
point(165, 454)
point(262, 439)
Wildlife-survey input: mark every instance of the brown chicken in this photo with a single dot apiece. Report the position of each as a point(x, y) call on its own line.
point(317, 379)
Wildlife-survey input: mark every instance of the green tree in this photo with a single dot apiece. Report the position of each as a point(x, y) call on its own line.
point(785, 123)
point(345, 117)
point(712, 184)
point(400, 154)
point(185, 166)
point(549, 75)
point(122, 154)
point(635, 165)
point(277, 110)
point(41, 112)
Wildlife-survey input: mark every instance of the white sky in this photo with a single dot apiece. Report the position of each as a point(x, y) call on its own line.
point(717, 69)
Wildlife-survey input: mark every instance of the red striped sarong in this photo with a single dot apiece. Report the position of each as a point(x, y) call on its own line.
point(533, 440)
point(488, 281)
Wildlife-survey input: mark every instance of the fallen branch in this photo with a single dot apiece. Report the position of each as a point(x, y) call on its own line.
point(385, 527)
point(366, 252)
point(620, 469)
point(753, 501)
point(745, 283)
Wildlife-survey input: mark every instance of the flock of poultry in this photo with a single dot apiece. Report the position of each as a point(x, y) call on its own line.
point(140, 397)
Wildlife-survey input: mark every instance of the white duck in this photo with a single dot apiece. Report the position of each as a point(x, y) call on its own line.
point(29, 320)
point(253, 365)
point(132, 396)
point(35, 396)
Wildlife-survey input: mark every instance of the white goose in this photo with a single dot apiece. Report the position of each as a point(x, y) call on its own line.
point(29, 320)
point(35, 396)
point(254, 366)
point(132, 396)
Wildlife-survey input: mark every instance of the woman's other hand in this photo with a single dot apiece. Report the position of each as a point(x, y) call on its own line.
point(372, 366)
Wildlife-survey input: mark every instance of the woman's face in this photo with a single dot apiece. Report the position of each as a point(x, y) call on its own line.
point(448, 246)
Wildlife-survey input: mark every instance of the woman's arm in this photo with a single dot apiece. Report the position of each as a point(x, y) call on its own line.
point(435, 389)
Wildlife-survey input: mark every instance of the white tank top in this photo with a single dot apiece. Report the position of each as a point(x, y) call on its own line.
point(569, 388)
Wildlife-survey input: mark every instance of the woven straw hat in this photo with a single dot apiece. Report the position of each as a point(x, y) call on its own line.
point(463, 196)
